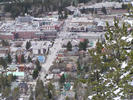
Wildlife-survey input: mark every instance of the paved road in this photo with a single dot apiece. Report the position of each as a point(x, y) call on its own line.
point(51, 57)
point(53, 53)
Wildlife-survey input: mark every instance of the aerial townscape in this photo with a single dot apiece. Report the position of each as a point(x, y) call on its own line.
point(66, 49)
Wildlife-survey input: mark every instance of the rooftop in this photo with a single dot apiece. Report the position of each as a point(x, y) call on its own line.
point(103, 4)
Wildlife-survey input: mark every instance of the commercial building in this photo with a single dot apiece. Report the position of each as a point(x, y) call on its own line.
point(28, 27)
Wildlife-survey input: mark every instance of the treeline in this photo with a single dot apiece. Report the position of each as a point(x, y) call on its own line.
point(34, 7)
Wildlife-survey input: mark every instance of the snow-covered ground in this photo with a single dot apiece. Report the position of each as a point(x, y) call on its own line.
point(124, 64)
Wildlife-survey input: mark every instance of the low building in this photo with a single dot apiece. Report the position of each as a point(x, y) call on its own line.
point(23, 87)
point(23, 19)
point(109, 6)
point(28, 27)
point(50, 35)
point(70, 9)
point(6, 36)
point(17, 74)
point(4, 50)
point(81, 24)
point(12, 68)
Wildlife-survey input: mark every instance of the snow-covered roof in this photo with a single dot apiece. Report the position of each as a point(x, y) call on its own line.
point(6, 33)
point(104, 4)
point(71, 8)
point(81, 19)
point(33, 26)
point(50, 76)
point(129, 21)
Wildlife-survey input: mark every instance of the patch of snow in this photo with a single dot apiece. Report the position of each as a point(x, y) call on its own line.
point(117, 91)
point(123, 38)
point(91, 96)
point(107, 84)
point(117, 98)
point(128, 51)
point(128, 38)
point(124, 64)
point(131, 83)
point(121, 94)
point(113, 41)
point(125, 74)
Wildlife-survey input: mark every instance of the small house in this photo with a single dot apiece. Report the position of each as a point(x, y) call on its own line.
point(23, 87)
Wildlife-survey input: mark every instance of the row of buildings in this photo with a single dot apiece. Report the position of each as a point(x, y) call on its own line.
point(97, 8)
point(28, 27)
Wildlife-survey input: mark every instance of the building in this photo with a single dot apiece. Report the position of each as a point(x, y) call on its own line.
point(39, 48)
point(28, 27)
point(6, 36)
point(109, 6)
point(23, 87)
point(81, 24)
point(23, 19)
point(70, 9)
point(4, 50)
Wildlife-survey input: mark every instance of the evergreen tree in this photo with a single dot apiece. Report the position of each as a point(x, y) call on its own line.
point(35, 73)
point(95, 11)
point(6, 92)
point(84, 1)
point(38, 66)
point(67, 98)
point(62, 79)
point(16, 57)
point(110, 69)
point(29, 59)
point(66, 14)
point(15, 94)
point(49, 94)
point(22, 59)
point(51, 91)
point(69, 46)
point(39, 89)
point(124, 6)
point(28, 45)
point(59, 11)
point(99, 47)
point(3, 63)
point(104, 10)
point(98, 1)
point(9, 58)
point(61, 16)
point(83, 45)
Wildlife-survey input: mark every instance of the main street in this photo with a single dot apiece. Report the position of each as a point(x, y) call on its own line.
point(53, 51)
point(51, 57)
